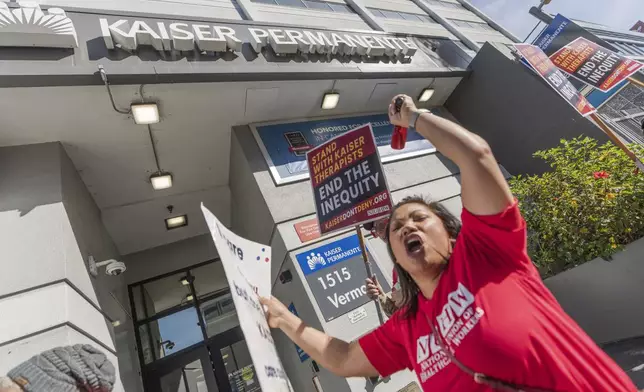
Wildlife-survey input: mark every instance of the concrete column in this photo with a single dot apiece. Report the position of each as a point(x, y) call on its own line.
point(367, 15)
point(49, 225)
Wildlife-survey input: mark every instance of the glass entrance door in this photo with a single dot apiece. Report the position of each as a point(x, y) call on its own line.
point(188, 334)
point(189, 371)
point(233, 363)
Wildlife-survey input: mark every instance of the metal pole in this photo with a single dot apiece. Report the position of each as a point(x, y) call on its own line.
point(367, 266)
point(530, 33)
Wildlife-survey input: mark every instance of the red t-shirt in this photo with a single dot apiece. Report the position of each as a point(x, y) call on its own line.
point(495, 313)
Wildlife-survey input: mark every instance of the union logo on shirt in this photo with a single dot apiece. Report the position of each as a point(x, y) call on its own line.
point(457, 301)
point(426, 346)
point(455, 321)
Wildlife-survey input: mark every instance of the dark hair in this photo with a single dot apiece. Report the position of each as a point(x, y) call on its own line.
point(408, 286)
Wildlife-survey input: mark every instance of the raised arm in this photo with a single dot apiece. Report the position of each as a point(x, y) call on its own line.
point(341, 358)
point(483, 188)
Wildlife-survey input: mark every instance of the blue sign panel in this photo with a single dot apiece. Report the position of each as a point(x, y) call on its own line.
point(563, 31)
point(330, 254)
point(336, 275)
point(554, 30)
point(549, 34)
point(285, 145)
point(303, 356)
point(598, 97)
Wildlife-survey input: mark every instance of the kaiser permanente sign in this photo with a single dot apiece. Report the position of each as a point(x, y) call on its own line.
point(130, 34)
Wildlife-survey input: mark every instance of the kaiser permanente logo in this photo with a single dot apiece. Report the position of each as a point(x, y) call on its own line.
point(457, 318)
point(314, 260)
point(29, 26)
point(328, 255)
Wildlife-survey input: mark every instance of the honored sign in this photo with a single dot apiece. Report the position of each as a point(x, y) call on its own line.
point(594, 65)
point(336, 276)
point(284, 145)
point(349, 185)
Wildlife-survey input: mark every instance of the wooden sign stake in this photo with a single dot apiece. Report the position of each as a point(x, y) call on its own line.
point(604, 127)
point(367, 266)
point(635, 81)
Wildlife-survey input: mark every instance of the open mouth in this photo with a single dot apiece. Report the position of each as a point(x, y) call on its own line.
point(413, 244)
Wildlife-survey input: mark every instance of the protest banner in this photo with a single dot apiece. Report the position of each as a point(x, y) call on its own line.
point(348, 182)
point(594, 65)
point(239, 258)
point(542, 65)
point(252, 258)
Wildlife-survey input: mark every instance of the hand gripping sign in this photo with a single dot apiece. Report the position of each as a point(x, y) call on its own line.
point(246, 274)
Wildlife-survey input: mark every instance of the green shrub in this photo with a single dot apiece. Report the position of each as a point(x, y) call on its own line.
point(591, 204)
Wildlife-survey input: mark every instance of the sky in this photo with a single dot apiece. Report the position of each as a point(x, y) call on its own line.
point(513, 14)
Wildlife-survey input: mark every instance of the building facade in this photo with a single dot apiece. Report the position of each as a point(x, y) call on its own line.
point(118, 118)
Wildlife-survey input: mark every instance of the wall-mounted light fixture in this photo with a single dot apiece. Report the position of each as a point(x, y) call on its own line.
point(161, 180)
point(145, 113)
point(176, 222)
point(426, 95)
point(330, 99)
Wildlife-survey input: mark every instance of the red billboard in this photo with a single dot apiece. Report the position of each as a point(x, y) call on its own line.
point(593, 64)
point(551, 74)
point(349, 185)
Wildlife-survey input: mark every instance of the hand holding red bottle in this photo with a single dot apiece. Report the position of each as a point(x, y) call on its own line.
point(400, 110)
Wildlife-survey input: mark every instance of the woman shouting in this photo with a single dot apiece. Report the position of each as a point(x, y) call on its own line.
point(475, 315)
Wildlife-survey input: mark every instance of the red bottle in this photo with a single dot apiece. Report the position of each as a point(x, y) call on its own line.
point(399, 137)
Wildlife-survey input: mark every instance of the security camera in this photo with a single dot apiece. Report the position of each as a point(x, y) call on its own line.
point(112, 267)
point(115, 268)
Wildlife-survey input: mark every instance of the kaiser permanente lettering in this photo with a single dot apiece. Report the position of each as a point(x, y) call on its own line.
point(179, 36)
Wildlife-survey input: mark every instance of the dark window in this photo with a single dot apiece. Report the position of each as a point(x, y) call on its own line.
point(317, 5)
point(342, 8)
point(376, 12)
point(310, 4)
point(473, 25)
point(387, 14)
point(411, 17)
point(291, 3)
point(391, 14)
point(426, 18)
